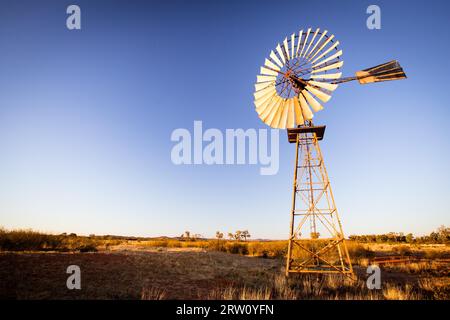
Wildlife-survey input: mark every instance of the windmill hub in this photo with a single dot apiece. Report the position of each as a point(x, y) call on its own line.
point(295, 81)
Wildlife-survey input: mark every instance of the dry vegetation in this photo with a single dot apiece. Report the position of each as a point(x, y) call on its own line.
point(33, 265)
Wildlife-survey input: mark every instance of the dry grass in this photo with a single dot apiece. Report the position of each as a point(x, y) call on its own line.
point(308, 287)
point(395, 292)
point(233, 293)
point(153, 294)
point(205, 269)
point(415, 267)
point(186, 274)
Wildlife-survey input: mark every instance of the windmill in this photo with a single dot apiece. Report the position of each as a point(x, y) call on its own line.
point(295, 80)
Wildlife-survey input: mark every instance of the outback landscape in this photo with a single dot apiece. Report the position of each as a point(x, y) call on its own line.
point(33, 266)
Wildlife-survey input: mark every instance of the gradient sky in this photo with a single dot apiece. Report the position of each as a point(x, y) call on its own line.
point(86, 116)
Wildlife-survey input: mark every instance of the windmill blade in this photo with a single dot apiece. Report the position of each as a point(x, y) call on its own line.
point(329, 67)
point(264, 100)
point(311, 42)
point(324, 85)
point(265, 79)
point(322, 46)
point(325, 52)
point(263, 97)
point(317, 43)
point(271, 65)
point(384, 72)
point(319, 94)
point(261, 93)
point(306, 111)
point(262, 85)
point(291, 114)
point(305, 42)
point(259, 104)
point(274, 57)
point(268, 72)
point(315, 105)
point(276, 118)
point(270, 111)
point(300, 34)
point(280, 53)
point(260, 109)
point(327, 76)
point(292, 44)
point(284, 116)
point(264, 110)
point(332, 57)
point(298, 113)
point(286, 48)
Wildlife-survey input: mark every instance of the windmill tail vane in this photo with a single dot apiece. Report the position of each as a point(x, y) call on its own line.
point(384, 72)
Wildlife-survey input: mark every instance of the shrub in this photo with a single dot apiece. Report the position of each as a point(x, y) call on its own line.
point(88, 248)
point(269, 249)
point(358, 251)
point(28, 240)
point(402, 250)
point(236, 248)
point(20, 240)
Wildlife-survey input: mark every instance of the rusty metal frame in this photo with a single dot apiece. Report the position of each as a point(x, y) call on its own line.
point(313, 202)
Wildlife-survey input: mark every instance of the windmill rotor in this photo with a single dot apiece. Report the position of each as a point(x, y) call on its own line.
point(300, 75)
point(294, 81)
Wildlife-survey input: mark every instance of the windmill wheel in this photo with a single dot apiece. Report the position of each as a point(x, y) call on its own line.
point(297, 77)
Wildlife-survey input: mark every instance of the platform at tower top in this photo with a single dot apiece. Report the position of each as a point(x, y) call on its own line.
point(318, 130)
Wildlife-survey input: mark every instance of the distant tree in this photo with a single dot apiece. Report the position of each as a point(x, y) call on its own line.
point(231, 236)
point(245, 234)
point(409, 238)
point(443, 234)
point(238, 235)
point(187, 234)
point(196, 236)
point(434, 237)
point(219, 236)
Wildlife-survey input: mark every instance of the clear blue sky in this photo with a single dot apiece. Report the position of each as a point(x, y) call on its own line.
point(86, 116)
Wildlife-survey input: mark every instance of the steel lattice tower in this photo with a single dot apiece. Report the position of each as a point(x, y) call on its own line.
point(316, 241)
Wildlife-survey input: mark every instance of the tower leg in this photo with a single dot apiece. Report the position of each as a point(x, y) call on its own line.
point(316, 239)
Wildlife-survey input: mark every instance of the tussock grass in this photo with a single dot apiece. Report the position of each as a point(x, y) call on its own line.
point(245, 293)
point(153, 293)
point(312, 287)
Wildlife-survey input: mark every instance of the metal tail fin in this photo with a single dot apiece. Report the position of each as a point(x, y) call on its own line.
point(384, 72)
